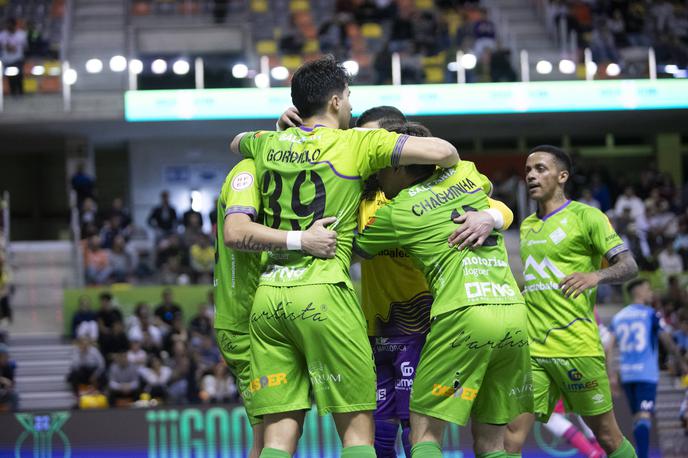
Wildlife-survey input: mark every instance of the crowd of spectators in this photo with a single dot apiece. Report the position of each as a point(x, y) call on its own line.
point(117, 251)
point(151, 355)
point(611, 28)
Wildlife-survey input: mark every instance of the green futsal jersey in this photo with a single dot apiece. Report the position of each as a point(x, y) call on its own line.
point(420, 220)
point(310, 173)
point(573, 238)
point(236, 272)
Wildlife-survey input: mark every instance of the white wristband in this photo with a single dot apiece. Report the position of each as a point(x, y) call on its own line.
point(277, 127)
point(294, 240)
point(497, 217)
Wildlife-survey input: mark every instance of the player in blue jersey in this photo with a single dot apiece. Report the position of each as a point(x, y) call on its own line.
point(638, 329)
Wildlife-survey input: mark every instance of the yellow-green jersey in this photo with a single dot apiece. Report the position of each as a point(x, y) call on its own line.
point(396, 298)
point(420, 219)
point(573, 238)
point(307, 174)
point(236, 272)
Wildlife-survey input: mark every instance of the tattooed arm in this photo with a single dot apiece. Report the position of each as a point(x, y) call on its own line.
point(240, 233)
point(622, 267)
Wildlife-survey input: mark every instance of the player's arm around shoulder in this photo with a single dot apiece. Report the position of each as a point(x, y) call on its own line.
point(242, 234)
point(428, 150)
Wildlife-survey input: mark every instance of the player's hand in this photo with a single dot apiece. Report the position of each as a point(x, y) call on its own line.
point(290, 118)
point(573, 285)
point(319, 241)
point(474, 228)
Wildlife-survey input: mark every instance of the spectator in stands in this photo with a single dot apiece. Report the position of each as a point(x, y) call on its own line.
point(182, 381)
point(114, 342)
point(332, 37)
point(601, 192)
point(192, 230)
point(588, 199)
point(8, 394)
point(168, 310)
point(402, 35)
point(163, 218)
point(136, 355)
point(156, 378)
point(218, 386)
point(292, 40)
point(85, 320)
point(484, 34)
point(201, 324)
point(177, 333)
point(202, 260)
point(118, 209)
point(96, 262)
point(5, 290)
point(192, 214)
point(681, 242)
point(670, 262)
point(635, 24)
point(675, 293)
point(107, 314)
point(112, 228)
point(84, 186)
point(123, 380)
point(212, 217)
point(629, 200)
point(37, 45)
point(172, 259)
point(121, 261)
point(13, 43)
point(208, 355)
point(141, 310)
point(89, 218)
point(87, 365)
point(602, 44)
point(617, 27)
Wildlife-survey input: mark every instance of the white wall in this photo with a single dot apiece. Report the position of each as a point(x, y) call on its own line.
point(179, 166)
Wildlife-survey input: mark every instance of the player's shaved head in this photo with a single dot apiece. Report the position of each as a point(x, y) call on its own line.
point(381, 114)
point(315, 82)
point(561, 157)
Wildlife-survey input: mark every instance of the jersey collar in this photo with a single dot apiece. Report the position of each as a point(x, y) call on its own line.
point(554, 212)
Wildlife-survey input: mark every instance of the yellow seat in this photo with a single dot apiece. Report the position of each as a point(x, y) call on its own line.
point(371, 30)
point(259, 6)
point(311, 47)
point(434, 74)
point(299, 5)
point(30, 85)
point(424, 4)
point(292, 62)
point(266, 47)
point(437, 59)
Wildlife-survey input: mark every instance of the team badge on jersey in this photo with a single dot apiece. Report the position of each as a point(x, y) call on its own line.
point(242, 181)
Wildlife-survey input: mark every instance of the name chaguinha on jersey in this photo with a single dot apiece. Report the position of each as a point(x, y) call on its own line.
point(465, 186)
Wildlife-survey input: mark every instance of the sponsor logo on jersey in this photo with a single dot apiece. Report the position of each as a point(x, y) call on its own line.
point(406, 369)
point(598, 398)
point(242, 181)
point(465, 393)
point(647, 406)
point(268, 381)
point(574, 375)
point(536, 242)
point(381, 394)
point(289, 137)
point(557, 236)
point(488, 289)
point(578, 385)
point(283, 273)
point(394, 253)
point(541, 269)
point(294, 157)
point(521, 390)
point(320, 374)
point(454, 191)
point(404, 384)
point(487, 262)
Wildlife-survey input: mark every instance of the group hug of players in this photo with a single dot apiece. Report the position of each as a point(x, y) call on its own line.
point(443, 333)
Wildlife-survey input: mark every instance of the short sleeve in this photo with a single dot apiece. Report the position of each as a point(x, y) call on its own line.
point(603, 237)
point(249, 143)
point(240, 192)
point(377, 235)
point(376, 149)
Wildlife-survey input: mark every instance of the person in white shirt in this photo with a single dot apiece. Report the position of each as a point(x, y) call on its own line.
point(13, 42)
point(218, 386)
point(670, 262)
point(156, 378)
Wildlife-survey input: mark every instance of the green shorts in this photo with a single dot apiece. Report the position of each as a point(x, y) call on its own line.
point(234, 347)
point(582, 382)
point(310, 341)
point(475, 364)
